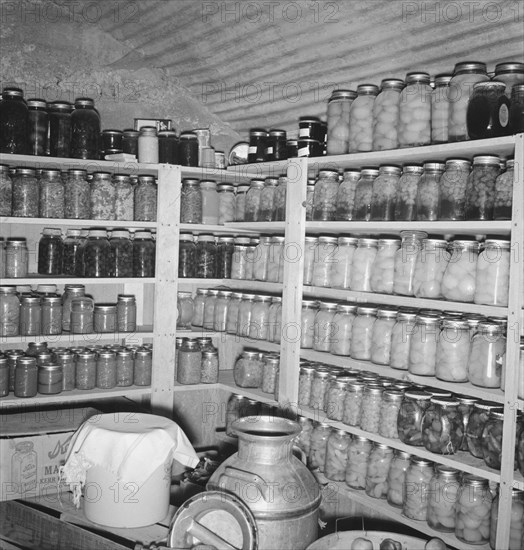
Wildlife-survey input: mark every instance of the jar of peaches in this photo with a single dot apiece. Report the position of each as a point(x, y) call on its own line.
point(458, 281)
point(430, 267)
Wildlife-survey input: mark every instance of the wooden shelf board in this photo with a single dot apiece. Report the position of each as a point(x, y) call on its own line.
point(32, 279)
point(215, 174)
point(403, 301)
point(257, 227)
point(226, 229)
point(177, 387)
point(233, 284)
point(227, 382)
point(460, 388)
point(74, 396)
point(106, 224)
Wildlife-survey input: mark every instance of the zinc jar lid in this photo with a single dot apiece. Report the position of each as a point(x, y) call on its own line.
point(509, 67)
point(188, 135)
point(12, 92)
point(387, 169)
point(434, 166)
point(367, 89)
point(469, 66)
point(148, 131)
point(366, 310)
point(36, 103)
point(392, 84)
point(26, 171)
point(84, 102)
point(258, 132)
point(343, 94)
point(60, 106)
point(98, 233)
point(277, 133)
point(417, 77)
point(442, 79)
point(369, 172)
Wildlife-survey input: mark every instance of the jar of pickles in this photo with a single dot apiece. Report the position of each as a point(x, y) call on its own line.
point(428, 190)
point(381, 336)
point(516, 533)
point(480, 188)
point(407, 192)
point(325, 197)
point(337, 455)
point(335, 397)
point(409, 422)
point(389, 409)
point(453, 184)
point(377, 471)
point(247, 371)
point(401, 339)
point(492, 275)
point(477, 420)
point(144, 252)
point(487, 356)
point(405, 261)
point(361, 267)
point(305, 382)
point(361, 333)
point(386, 113)
point(361, 119)
point(324, 326)
point(416, 487)
point(442, 499)
point(453, 350)
point(186, 256)
point(415, 111)
point(190, 201)
point(279, 199)
point(225, 252)
point(318, 389)
point(206, 254)
point(440, 108)
point(442, 426)
point(346, 195)
point(70, 259)
point(504, 192)
point(97, 254)
point(359, 451)
point(384, 193)
point(353, 403)
point(458, 281)
point(318, 449)
point(430, 266)
point(491, 439)
point(326, 258)
point(396, 478)
point(364, 194)
point(383, 268)
point(371, 405)
point(342, 329)
point(307, 323)
point(473, 510)
point(50, 252)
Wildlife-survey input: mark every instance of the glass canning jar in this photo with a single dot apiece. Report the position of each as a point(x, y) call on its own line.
point(516, 111)
point(26, 193)
point(488, 355)
point(145, 199)
point(465, 75)
point(405, 261)
point(428, 191)
point(364, 193)
point(361, 333)
point(442, 426)
point(307, 323)
point(59, 143)
point(389, 409)
point(453, 350)
point(191, 201)
point(186, 256)
point(324, 326)
point(336, 455)
point(226, 203)
point(232, 313)
point(97, 254)
point(504, 193)
point(401, 339)
point(51, 203)
point(442, 499)
point(386, 113)
point(209, 308)
point(409, 421)
point(477, 420)
point(70, 255)
point(305, 382)
point(30, 316)
point(359, 451)
point(85, 370)
point(416, 488)
point(167, 147)
point(361, 119)
point(6, 191)
point(384, 193)
point(453, 184)
point(198, 307)
point(381, 336)
point(345, 200)
point(51, 315)
point(188, 149)
point(124, 367)
point(396, 478)
point(310, 253)
point(70, 292)
point(465, 408)
point(379, 463)
point(225, 251)
point(318, 449)
point(491, 439)
point(440, 108)
point(148, 145)
point(205, 257)
point(185, 309)
point(371, 404)
point(458, 282)
point(339, 105)
point(276, 260)
point(143, 367)
point(240, 259)
point(473, 510)
point(383, 268)
point(279, 199)
point(520, 452)
point(414, 127)
point(210, 210)
point(126, 313)
point(85, 130)
point(482, 116)
point(247, 371)
point(275, 319)
point(362, 264)
point(423, 346)
point(50, 252)
point(353, 403)
point(480, 188)
point(492, 276)
point(26, 377)
point(258, 326)
point(310, 193)
point(16, 257)
point(189, 363)
point(342, 329)
point(9, 311)
point(325, 197)
point(270, 370)
point(407, 192)
point(325, 258)
point(209, 367)
point(144, 252)
point(221, 310)
point(335, 397)
point(318, 389)
point(82, 315)
point(516, 529)
point(339, 275)
point(253, 198)
point(244, 314)
point(240, 202)
point(102, 197)
point(106, 370)
point(276, 145)
point(260, 258)
point(267, 196)
point(14, 122)
point(257, 145)
point(121, 253)
point(511, 73)
point(124, 197)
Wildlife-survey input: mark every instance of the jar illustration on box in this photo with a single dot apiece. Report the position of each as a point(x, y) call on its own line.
point(23, 467)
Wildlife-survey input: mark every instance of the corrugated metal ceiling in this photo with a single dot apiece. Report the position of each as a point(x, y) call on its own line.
point(267, 63)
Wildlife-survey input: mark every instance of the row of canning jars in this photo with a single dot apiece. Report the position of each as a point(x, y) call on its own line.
point(86, 253)
point(75, 194)
point(239, 406)
point(425, 343)
point(241, 258)
point(254, 316)
point(196, 361)
point(257, 370)
point(454, 190)
point(48, 313)
point(205, 202)
point(45, 370)
point(459, 270)
point(411, 113)
point(449, 501)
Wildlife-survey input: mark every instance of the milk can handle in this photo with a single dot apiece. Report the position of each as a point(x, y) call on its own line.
point(299, 453)
point(248, 477)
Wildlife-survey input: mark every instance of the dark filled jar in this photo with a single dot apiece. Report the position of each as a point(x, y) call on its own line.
point(38, 127)
point(110, 140)
point(276, 148)
point(187, 256)
point(292, 148)
point(188, 149)
point(14, 122)
point(77, 195)
point(51, 194)
point(310, 127)
point(483, 109)
point(6, 192)
point(50, 252)
point(191, 201)
point(85, 130)
point(97, 254)
point(143, 254)
point(516, 111)
point(225, 250)
point(130, 142)
point(307, 147)
point(167, 147)
point(258, 138)
point(121, 254)
point(60, 128)
point(206, 256)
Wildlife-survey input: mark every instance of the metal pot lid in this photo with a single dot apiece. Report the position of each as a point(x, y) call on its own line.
point(214, 518)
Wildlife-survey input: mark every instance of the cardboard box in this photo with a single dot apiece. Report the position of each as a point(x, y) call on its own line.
point(161, 124)
point(33, 446)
